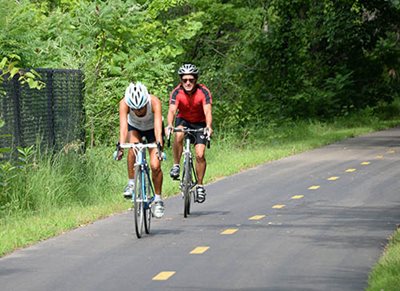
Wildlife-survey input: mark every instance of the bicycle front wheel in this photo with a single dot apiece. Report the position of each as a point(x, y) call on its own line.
point(186, 184)
point(138, 202)
point(147, 205)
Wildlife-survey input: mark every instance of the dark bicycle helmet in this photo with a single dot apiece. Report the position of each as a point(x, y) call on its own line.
point(188, 69)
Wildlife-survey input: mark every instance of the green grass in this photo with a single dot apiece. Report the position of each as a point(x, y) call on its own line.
point(45, 197)
point(386, 274)
point(19, 231)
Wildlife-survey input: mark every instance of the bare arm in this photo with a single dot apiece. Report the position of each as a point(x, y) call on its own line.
point(156, 105)
point(123, 121)
point(171, 114)
point(208, 113)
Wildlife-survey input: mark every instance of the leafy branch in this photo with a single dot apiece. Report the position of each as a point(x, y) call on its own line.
point(9, 67)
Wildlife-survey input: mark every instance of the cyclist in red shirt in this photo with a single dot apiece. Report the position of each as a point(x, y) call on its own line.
point(192, 102)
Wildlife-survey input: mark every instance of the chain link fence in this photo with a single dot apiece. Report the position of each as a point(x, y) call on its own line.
point(52, 117)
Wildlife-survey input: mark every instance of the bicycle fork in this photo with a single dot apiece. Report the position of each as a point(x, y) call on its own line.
point(144, 177)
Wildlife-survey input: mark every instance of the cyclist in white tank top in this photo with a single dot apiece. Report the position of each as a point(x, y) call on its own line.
point(140, 116)
point(142, 123)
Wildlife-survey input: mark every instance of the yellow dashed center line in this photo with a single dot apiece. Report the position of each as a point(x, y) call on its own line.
point(162, 276)
point(297, 197)
point(257, 217)
point(229, 231)
point(199, 250)
point(278, 206)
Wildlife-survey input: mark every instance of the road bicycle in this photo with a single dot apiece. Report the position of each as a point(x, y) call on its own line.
point(143, 192)
point(188, 181)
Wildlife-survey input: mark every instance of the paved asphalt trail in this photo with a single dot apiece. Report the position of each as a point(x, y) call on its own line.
point(319, 221)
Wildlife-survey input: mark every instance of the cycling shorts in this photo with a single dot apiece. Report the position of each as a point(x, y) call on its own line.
point(195, 138)
point(148, 134)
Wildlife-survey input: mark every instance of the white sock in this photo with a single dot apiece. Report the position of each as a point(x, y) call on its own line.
point(157, 197)
point(131, 182)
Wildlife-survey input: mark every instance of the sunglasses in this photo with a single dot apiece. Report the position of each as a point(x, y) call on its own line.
point(190, 80)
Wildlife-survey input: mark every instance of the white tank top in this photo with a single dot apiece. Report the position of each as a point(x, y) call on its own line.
point(145, 122)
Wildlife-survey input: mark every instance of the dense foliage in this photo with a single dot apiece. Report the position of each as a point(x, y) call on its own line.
point(264, 60)
point(300, 58)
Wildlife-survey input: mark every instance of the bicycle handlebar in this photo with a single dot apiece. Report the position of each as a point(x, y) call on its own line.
point(139, 146)
point(188, 130)
point(185, 129)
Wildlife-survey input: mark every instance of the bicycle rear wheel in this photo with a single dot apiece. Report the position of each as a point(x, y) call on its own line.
point(138, 202)
point(186, 184)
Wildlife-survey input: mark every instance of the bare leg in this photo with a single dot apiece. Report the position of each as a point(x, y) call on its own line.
point(133, 136)
point(178, 147)
point(131, 164)
point(156, 172)
point(201, 163)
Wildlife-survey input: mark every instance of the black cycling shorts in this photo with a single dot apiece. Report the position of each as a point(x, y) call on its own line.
point(195, 138)
point(148, 134)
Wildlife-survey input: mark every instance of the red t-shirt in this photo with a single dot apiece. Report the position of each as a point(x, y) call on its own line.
point(190, 108)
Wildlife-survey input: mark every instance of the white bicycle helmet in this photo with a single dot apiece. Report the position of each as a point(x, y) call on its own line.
point(188, 69)
point(136, 95)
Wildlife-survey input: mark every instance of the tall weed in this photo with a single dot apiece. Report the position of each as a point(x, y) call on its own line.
point(39, 183)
